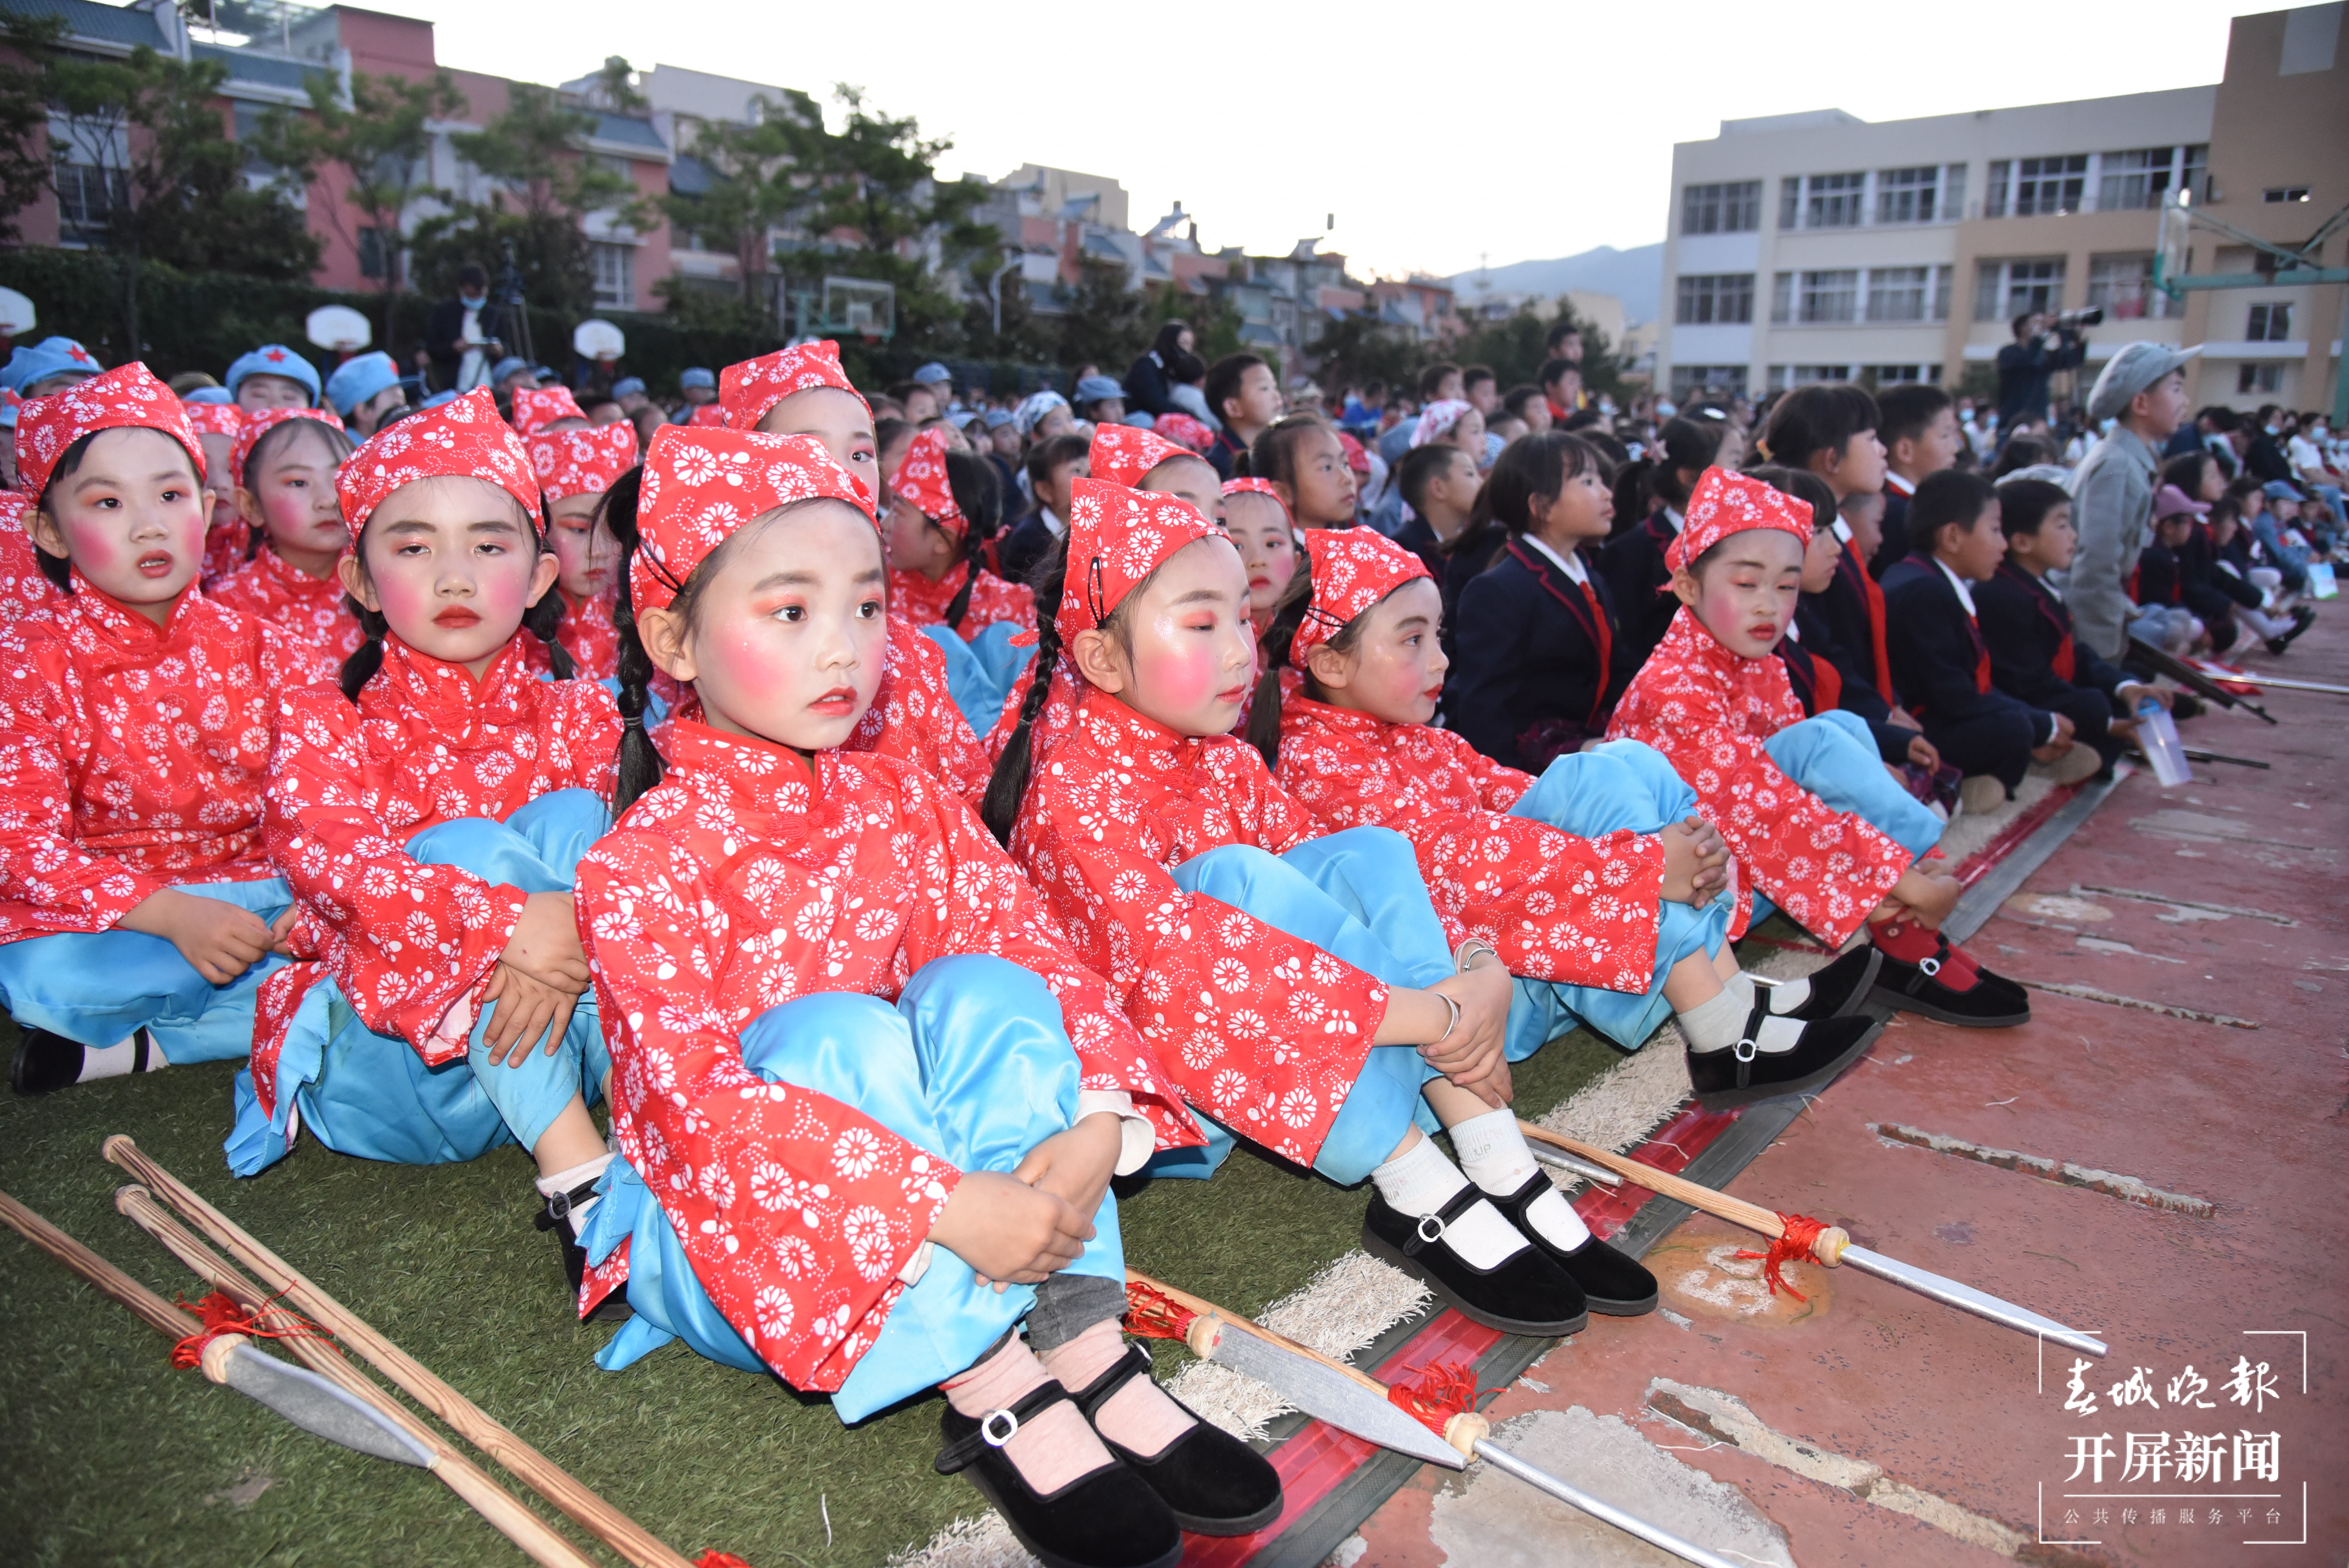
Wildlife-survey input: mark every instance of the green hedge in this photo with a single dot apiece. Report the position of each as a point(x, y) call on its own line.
point(201, 321)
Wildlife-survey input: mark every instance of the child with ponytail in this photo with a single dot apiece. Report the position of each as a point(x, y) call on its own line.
point(1298, 986)
point(1818, 828)
point(868, 1103)
point(943, 505)
point(429, 813)
point(918, 713)
point(1634, 560)
point(284, 466)
point(576, 468)
point(1595, 881)
point(138, 913)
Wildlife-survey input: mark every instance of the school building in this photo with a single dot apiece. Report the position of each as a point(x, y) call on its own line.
point(1823, 247)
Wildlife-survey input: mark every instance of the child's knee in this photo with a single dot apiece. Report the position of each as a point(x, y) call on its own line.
point(465, 842)
point(1228, 869)
point(833, 1041)
point(977, 978)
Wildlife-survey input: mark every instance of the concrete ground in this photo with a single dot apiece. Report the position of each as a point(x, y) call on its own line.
point(2184, 1072)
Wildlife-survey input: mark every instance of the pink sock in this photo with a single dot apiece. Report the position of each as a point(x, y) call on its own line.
point(1138, 1417)
point(1049, 1450)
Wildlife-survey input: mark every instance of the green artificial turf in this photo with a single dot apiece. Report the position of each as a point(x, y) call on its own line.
point(108, 1456)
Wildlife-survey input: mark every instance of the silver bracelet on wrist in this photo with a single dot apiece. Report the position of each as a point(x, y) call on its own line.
point(1470, 950)
point(1455, 1021)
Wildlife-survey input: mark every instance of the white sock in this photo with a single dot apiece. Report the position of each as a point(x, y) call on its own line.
point(1784, 995)
point(1494, 1155)
point(579, 1175)
point(1419, 1181)
point(1717, 1024)
point(118, 1059)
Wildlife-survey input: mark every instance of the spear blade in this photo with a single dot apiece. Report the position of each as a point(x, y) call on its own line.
point(1966, 1298)
point(318, 1406)
point(1328, 1396)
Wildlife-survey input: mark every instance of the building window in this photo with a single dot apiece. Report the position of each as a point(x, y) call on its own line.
point(370, 252)
point(1782, 298)
point(1882, 375)
point(1953, 192)
point(1941, 284)
point(2122, 286)
point(2287, 193)
point(2133, 182)
point(2258, 378)
point(1790, 201)
point(1829, 297)
point(1707, 380)
point(2029, 187)
point(1907, 195)
point(87, 196)
point(1833, 200)
point(615, 275)
point(2270, 323)
point(2004, 290)
point(1729, 209)
point(1898, 293)
point(1715, 299)
point(1782, 376)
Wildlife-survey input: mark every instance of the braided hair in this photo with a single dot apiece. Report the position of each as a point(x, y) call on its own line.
point(540, 620)
point(979, 498)
point(1279, 635)
point(640, 764)
point(1007, 786)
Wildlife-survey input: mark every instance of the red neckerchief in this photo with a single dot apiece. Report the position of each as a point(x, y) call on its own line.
point(1853, 567)
point(1973, 630)
point(1589, 615)
point(1821, 682)
point(2066, 659)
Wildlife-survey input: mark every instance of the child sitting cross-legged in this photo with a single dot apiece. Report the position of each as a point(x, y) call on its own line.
point(576, 468)
point(428, 812)
point(2033, 656)
point(1815, 824)
point(139, 911)
point(867, 1100)
point(285, 463)
point(1940, 663)
point(1297, 984)
point(1594, 882)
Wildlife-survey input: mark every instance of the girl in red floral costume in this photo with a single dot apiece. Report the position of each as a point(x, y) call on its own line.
point(1297, 985)
point(1817, 825)
point(576, 468)
point(1595, 881)
point(429, 813)
point(138, 913)
point(285, 463)
point(868, 1101)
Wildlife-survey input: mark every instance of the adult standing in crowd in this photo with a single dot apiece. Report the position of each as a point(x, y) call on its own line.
point(2026, 365)
point(465, 335)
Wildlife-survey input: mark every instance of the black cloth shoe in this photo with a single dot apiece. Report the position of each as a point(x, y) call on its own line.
point(1837, 990)
point(45, 1063)
point(1526, 1292)
point(1611, 1284)
point(2185, 704)
point(1106, 1518)
point(1214, 1483)
point(556, 1217)
point(1741, 1075)
point(1992, 1001)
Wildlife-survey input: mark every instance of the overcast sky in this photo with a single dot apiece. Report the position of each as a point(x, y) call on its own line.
point(1438, 138)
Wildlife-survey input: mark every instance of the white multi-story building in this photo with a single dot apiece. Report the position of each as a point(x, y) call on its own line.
point(1823, 247)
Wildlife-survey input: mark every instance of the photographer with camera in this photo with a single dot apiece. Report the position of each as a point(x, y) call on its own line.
point(2040, 349)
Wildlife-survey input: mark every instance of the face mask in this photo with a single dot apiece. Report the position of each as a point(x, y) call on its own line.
point(474, 301)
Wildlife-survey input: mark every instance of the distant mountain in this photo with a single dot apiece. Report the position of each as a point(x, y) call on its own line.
point(1634, 276)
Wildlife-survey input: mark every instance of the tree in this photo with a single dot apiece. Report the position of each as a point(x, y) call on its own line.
point(146, 168)
point(1107, 322)
point(747, 187)
point(381, 137)
point(25, 163)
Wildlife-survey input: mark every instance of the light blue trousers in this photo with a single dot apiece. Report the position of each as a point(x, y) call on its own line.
point(973, 1063)
point(981, 670)
point(371, 1095)
point(1833, 756)
point(1617, 786)
point(96, 987)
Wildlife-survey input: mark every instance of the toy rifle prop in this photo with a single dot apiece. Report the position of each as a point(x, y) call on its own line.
point(2198, 754)
point(2279, 682)
point(1434, 1421)
point(1793, 1237)
point(334, 1401)
point(623, 1535)
point(2160, 661)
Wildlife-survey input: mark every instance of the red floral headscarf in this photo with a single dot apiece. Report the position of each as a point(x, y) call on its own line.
point(1353, 569)
point(124, 398)
point(700, 485)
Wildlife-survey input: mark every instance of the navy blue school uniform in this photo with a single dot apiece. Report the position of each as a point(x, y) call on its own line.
point(1895, 543)
point(1540, 665)
point(1224, 452)
point(1471, 556)
point(1633, 564)
point(1025, 547)
point(1825, 685)
point(1852, 608)
point(2034, 658)
point(2213, 592)
point(1943, 670)
point(1419, 538)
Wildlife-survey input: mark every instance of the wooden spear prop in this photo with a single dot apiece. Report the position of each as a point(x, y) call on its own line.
point(1442, 1404)
point(550, 1481)
point(1794, 1236)
point(333, 1400)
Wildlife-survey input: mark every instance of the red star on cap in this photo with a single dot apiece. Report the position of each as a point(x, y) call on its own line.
point(275, 356)
point(78, 352)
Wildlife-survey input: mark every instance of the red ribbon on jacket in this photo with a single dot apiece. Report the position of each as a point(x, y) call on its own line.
point(1591, 615)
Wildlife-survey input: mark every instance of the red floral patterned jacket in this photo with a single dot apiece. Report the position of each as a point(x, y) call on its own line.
point(314, 613)
point(1264, 1031)
point(23, 589)
point(412, 945)
point(745, 879)
point(135, 755)
point(925, 602)
point(1555, 907)
point(1708, 710)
